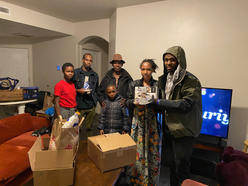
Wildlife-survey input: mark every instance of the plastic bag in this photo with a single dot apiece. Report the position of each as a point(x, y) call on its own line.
point(8, 83)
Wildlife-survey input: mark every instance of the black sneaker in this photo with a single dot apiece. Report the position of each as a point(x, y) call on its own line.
point(39, 131)
point(46, 131)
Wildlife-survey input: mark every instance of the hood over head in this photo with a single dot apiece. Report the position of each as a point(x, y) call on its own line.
point(179, 54)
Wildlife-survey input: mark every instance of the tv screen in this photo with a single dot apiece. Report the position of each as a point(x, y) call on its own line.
point(216, 106)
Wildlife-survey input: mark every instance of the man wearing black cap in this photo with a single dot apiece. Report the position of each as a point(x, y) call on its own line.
point(118, 76)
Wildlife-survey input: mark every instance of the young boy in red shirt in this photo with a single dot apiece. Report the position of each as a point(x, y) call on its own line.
point(65, 94)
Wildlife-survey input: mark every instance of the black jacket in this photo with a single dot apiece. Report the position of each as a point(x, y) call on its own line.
point(113, 117)
point(130, 99)
point(78, 80)
point(122, 86)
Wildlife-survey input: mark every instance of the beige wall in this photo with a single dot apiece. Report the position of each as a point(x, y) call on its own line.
point(213, 34)
point(112, 37)
point(29, 17)
point(48, 54)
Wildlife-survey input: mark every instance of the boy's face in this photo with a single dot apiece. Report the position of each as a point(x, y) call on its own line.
point(111, 91)
point(68, 72)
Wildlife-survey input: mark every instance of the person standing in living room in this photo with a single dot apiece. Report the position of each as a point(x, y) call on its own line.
point(86, 83)
point(118, 76)
point(146, 131)
point(113, 117)
point(65, 94)
point(182, 105)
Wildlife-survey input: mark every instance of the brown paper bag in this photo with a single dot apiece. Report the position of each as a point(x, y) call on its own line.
point(48, 102)
point(63, 138)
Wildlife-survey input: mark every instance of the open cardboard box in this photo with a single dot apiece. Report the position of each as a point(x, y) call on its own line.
point(51, 167)
point(112, 151)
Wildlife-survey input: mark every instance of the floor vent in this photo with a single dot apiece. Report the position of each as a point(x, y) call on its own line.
point(4, 10)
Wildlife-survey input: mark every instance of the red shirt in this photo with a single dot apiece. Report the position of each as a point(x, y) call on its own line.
point(67, 93)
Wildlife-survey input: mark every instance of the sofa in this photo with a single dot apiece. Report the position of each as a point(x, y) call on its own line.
point(15, 142)
point(233, 169)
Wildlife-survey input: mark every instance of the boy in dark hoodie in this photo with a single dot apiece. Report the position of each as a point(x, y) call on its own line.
point(113, 117)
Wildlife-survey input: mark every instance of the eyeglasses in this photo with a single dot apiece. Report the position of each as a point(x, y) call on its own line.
point(170, 59)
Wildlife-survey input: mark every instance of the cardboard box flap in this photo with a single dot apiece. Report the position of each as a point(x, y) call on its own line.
point(113, 142)
point(107, 144)
point(37, 146)
point(124, 140)
point(46, 141)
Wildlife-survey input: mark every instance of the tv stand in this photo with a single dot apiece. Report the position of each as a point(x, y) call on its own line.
point(207, 152)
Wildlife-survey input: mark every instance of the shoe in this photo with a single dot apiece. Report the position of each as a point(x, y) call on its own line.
point(37, 132)
point(46, 131)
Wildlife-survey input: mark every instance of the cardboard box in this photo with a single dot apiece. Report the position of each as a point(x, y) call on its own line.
point(51, 167)
point(144, 95)
point(14, 95)
point(112, 151)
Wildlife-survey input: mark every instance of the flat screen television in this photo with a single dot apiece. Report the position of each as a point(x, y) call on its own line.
point(216, 107)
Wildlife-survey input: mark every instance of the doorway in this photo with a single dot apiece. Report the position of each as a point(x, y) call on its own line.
point(14, 64)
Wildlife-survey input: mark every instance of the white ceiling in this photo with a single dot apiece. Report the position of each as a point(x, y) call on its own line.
point(77, 10)
point(69, 10)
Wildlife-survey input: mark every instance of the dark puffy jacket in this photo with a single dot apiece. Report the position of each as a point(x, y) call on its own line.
point(123, 83)
point(113, 117)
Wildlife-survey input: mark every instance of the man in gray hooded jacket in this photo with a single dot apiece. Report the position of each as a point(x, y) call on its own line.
point(182, 105)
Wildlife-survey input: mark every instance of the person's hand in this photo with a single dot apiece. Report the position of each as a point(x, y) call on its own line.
point(103, 104)
point(138, 105)
point(60, 118)
point(122, 103)
point(153, 103)
point(81, 91)
point(101, 132)
point(123, 132)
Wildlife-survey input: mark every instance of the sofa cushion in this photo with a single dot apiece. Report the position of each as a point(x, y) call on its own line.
point(25, 140)
point(39, 122)
point(14, 160)
point(14, 126)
